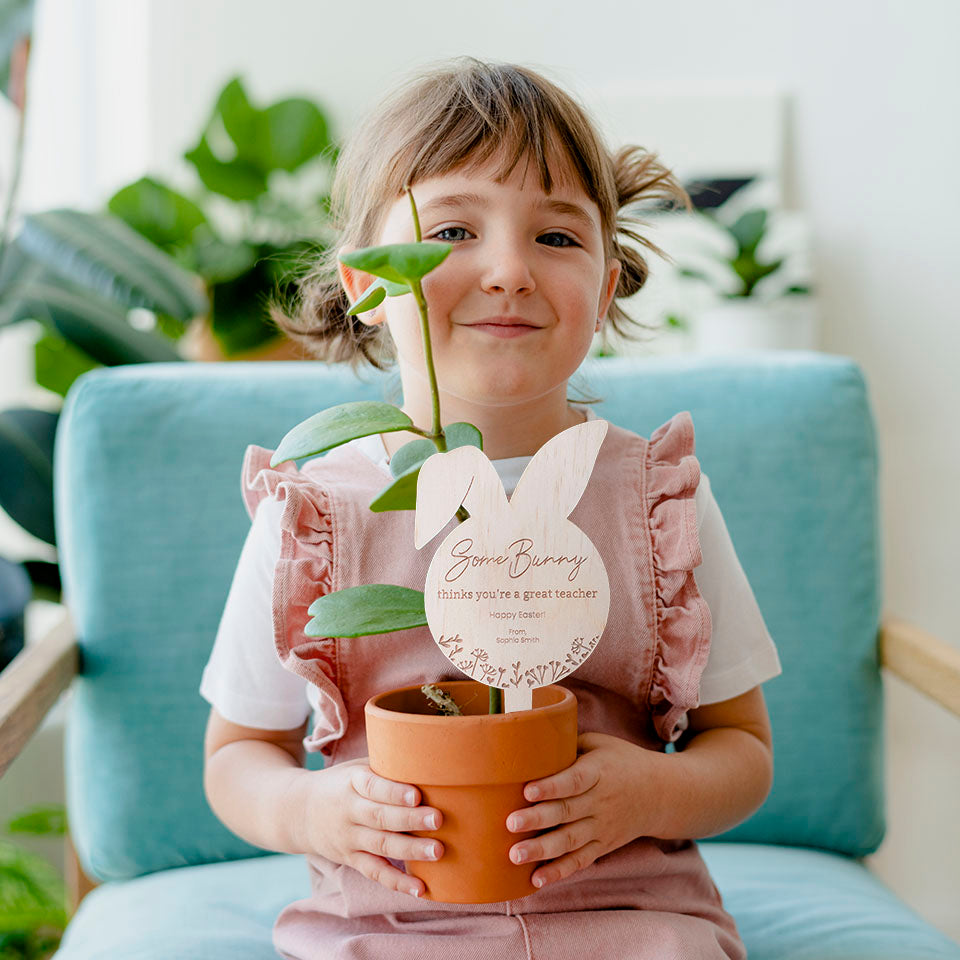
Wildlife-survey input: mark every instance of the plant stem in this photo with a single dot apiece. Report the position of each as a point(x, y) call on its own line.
point(438, 436)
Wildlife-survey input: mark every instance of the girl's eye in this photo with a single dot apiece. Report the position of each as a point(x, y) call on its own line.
point(439, 234)
point(569, 240)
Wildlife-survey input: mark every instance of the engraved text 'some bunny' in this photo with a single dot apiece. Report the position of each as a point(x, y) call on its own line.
point(516, 596)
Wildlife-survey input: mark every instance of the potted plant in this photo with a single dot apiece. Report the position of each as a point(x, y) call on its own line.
point(757, 301)
point(468, 752)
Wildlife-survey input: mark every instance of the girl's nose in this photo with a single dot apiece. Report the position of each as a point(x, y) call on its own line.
point(506, 270)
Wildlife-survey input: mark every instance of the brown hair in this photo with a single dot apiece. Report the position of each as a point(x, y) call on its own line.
point(454, 115)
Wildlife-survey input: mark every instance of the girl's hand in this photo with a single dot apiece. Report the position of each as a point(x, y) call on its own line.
point(359, 819)
point(597, 801)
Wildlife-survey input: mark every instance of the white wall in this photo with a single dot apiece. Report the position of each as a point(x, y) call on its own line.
point(870, 151)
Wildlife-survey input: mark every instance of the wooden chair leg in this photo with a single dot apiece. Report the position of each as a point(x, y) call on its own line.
point(77, 882)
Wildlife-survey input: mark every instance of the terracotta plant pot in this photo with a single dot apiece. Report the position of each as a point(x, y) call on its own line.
point(472, 768)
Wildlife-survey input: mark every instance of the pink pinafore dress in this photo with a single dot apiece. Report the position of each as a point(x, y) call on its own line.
point(649, 899)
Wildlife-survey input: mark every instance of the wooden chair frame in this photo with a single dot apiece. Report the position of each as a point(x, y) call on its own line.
point(33, 682)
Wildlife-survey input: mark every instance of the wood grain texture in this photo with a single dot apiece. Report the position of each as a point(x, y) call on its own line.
point(516, 596)
point(31, 685)
point(923, 660)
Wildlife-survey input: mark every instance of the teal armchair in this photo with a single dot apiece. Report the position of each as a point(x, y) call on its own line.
point(150, 524)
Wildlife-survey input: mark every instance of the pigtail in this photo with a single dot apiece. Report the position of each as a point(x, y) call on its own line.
point(639, 177)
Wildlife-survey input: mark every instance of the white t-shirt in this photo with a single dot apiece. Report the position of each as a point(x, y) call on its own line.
point(245, 680)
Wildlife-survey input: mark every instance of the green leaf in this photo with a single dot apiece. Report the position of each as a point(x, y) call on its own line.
point(462, 434)
point(103, 254)
point(95, 325)
point(337, 425)
point(236, 179)
point(218, 261)
point(240, 118)
point(401, 494)
point(43, 820)
point(374, 294)
point(58, 363)
point(372, 297)
point(411, 454)
point(365, 610)
point(163, 216)
point(26, 481)
point(399, 262)
point(748, 231)
point(292, 132)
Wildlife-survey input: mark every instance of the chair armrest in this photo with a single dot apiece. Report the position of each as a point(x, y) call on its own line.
point(31, 684)
point(929, 664)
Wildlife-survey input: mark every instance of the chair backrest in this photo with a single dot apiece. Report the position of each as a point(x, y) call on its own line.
point(150, 524)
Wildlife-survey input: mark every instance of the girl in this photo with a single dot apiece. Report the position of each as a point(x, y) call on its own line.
point(507, 168)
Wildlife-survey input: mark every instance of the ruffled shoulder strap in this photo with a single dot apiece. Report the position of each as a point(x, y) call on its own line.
point(304, 572)
point(683, 625)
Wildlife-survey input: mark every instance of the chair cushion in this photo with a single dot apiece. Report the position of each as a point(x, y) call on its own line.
point(789, 904)
point(150, 523)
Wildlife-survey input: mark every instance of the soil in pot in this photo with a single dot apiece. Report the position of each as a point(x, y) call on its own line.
point(472, 768)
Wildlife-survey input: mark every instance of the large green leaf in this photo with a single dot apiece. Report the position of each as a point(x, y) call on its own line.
point(284, 136)
point(58, 363)
point(399, 262)
point(337, 425)
point(365, 610)
point(163, 216)
point(105, 255)
point(26, 480)
point(237, 179)
point(96, 326)
point(295, 132)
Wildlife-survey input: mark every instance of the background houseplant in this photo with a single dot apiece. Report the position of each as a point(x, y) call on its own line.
point(750, 261)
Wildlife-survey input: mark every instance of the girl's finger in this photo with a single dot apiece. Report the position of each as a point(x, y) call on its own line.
point(549, 814)
point(555, 843)
point(567, 865)
point(386, 874)
point(573, 781)
point(396, 846)
point(387, 816)
point(368, 784)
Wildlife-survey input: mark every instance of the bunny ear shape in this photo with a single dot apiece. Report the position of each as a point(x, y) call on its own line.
point(560, 470)
point(447, 480)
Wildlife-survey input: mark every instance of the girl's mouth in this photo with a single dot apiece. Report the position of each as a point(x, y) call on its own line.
point(503, 329)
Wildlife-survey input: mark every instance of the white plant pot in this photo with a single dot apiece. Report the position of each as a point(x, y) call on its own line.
point(735, 326)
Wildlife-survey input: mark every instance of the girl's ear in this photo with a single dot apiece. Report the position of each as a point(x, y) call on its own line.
point(613, 276)
point(355, 282)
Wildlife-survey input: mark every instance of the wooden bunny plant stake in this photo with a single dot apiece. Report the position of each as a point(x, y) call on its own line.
point(517, 596)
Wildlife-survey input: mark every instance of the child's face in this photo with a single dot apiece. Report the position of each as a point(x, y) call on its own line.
point(512, 256)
